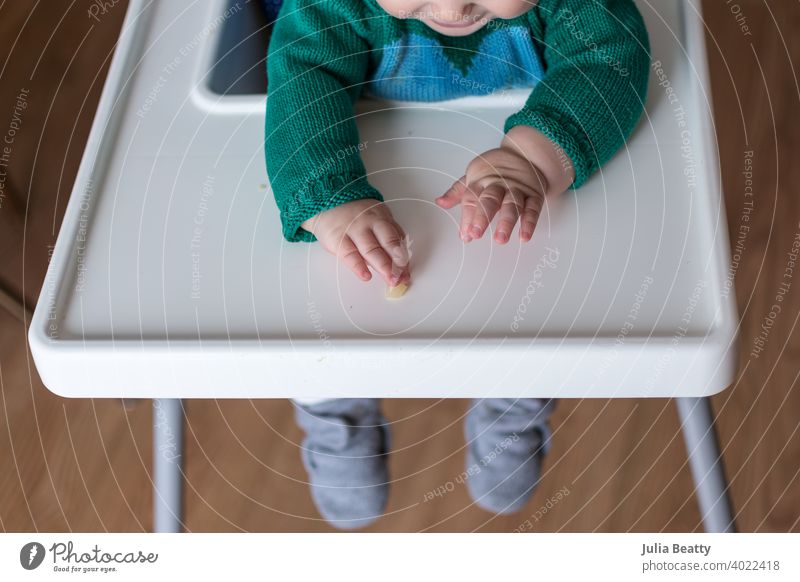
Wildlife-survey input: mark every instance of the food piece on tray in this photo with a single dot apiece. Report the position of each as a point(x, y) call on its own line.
point(397, 291)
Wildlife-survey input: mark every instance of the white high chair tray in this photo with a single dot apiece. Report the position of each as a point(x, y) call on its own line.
point(171, 277)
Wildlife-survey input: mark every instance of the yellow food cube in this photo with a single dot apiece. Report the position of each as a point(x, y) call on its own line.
point(397, 291)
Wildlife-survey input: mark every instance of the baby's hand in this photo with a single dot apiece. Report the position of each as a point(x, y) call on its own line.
point(510, 181)
point(362, 232)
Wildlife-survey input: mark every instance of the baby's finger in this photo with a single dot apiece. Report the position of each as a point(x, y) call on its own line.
point(530, 215)
point(469, 204)
point(489, 202)
point(507, 217)
point(392, 240)
point(390, 236)
point(405, 274)
point(453, 195)
point(373, 253)
point(348, 254)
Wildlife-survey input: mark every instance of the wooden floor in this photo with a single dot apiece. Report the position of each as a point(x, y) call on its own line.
point(84, 465)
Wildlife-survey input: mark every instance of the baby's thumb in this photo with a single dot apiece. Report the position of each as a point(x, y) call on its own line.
point(453, 194)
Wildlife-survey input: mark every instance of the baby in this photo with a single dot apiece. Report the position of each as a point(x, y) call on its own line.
point(587, 63)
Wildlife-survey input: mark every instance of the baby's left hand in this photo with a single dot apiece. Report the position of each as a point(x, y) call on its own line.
point(503, 182)
point(511, 180)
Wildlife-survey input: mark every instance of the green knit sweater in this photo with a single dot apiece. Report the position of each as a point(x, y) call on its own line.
point(587, 62)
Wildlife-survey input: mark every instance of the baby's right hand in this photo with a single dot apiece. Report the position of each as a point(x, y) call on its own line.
point(362, 232)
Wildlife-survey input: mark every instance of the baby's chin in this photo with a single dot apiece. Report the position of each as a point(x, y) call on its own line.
point(460, 30)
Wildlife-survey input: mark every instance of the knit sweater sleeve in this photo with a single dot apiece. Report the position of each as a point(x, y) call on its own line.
point(316, 66)
point(597, 63)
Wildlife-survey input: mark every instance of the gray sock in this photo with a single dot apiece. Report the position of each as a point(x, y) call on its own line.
point(506, 440)
point(345, 452)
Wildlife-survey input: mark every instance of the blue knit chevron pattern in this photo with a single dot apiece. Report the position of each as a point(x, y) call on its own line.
point(415, 67)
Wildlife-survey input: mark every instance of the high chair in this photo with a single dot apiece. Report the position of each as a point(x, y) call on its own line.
point(170, 278)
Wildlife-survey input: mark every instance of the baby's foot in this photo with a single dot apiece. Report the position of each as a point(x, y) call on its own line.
point(506, 441)
point(345, 451)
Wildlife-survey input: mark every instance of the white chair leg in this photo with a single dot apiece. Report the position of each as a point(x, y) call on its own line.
point(706, 464)
point(167, 465)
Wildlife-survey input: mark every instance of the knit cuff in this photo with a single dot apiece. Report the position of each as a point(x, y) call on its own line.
point(563, 132)
point(320, 195)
